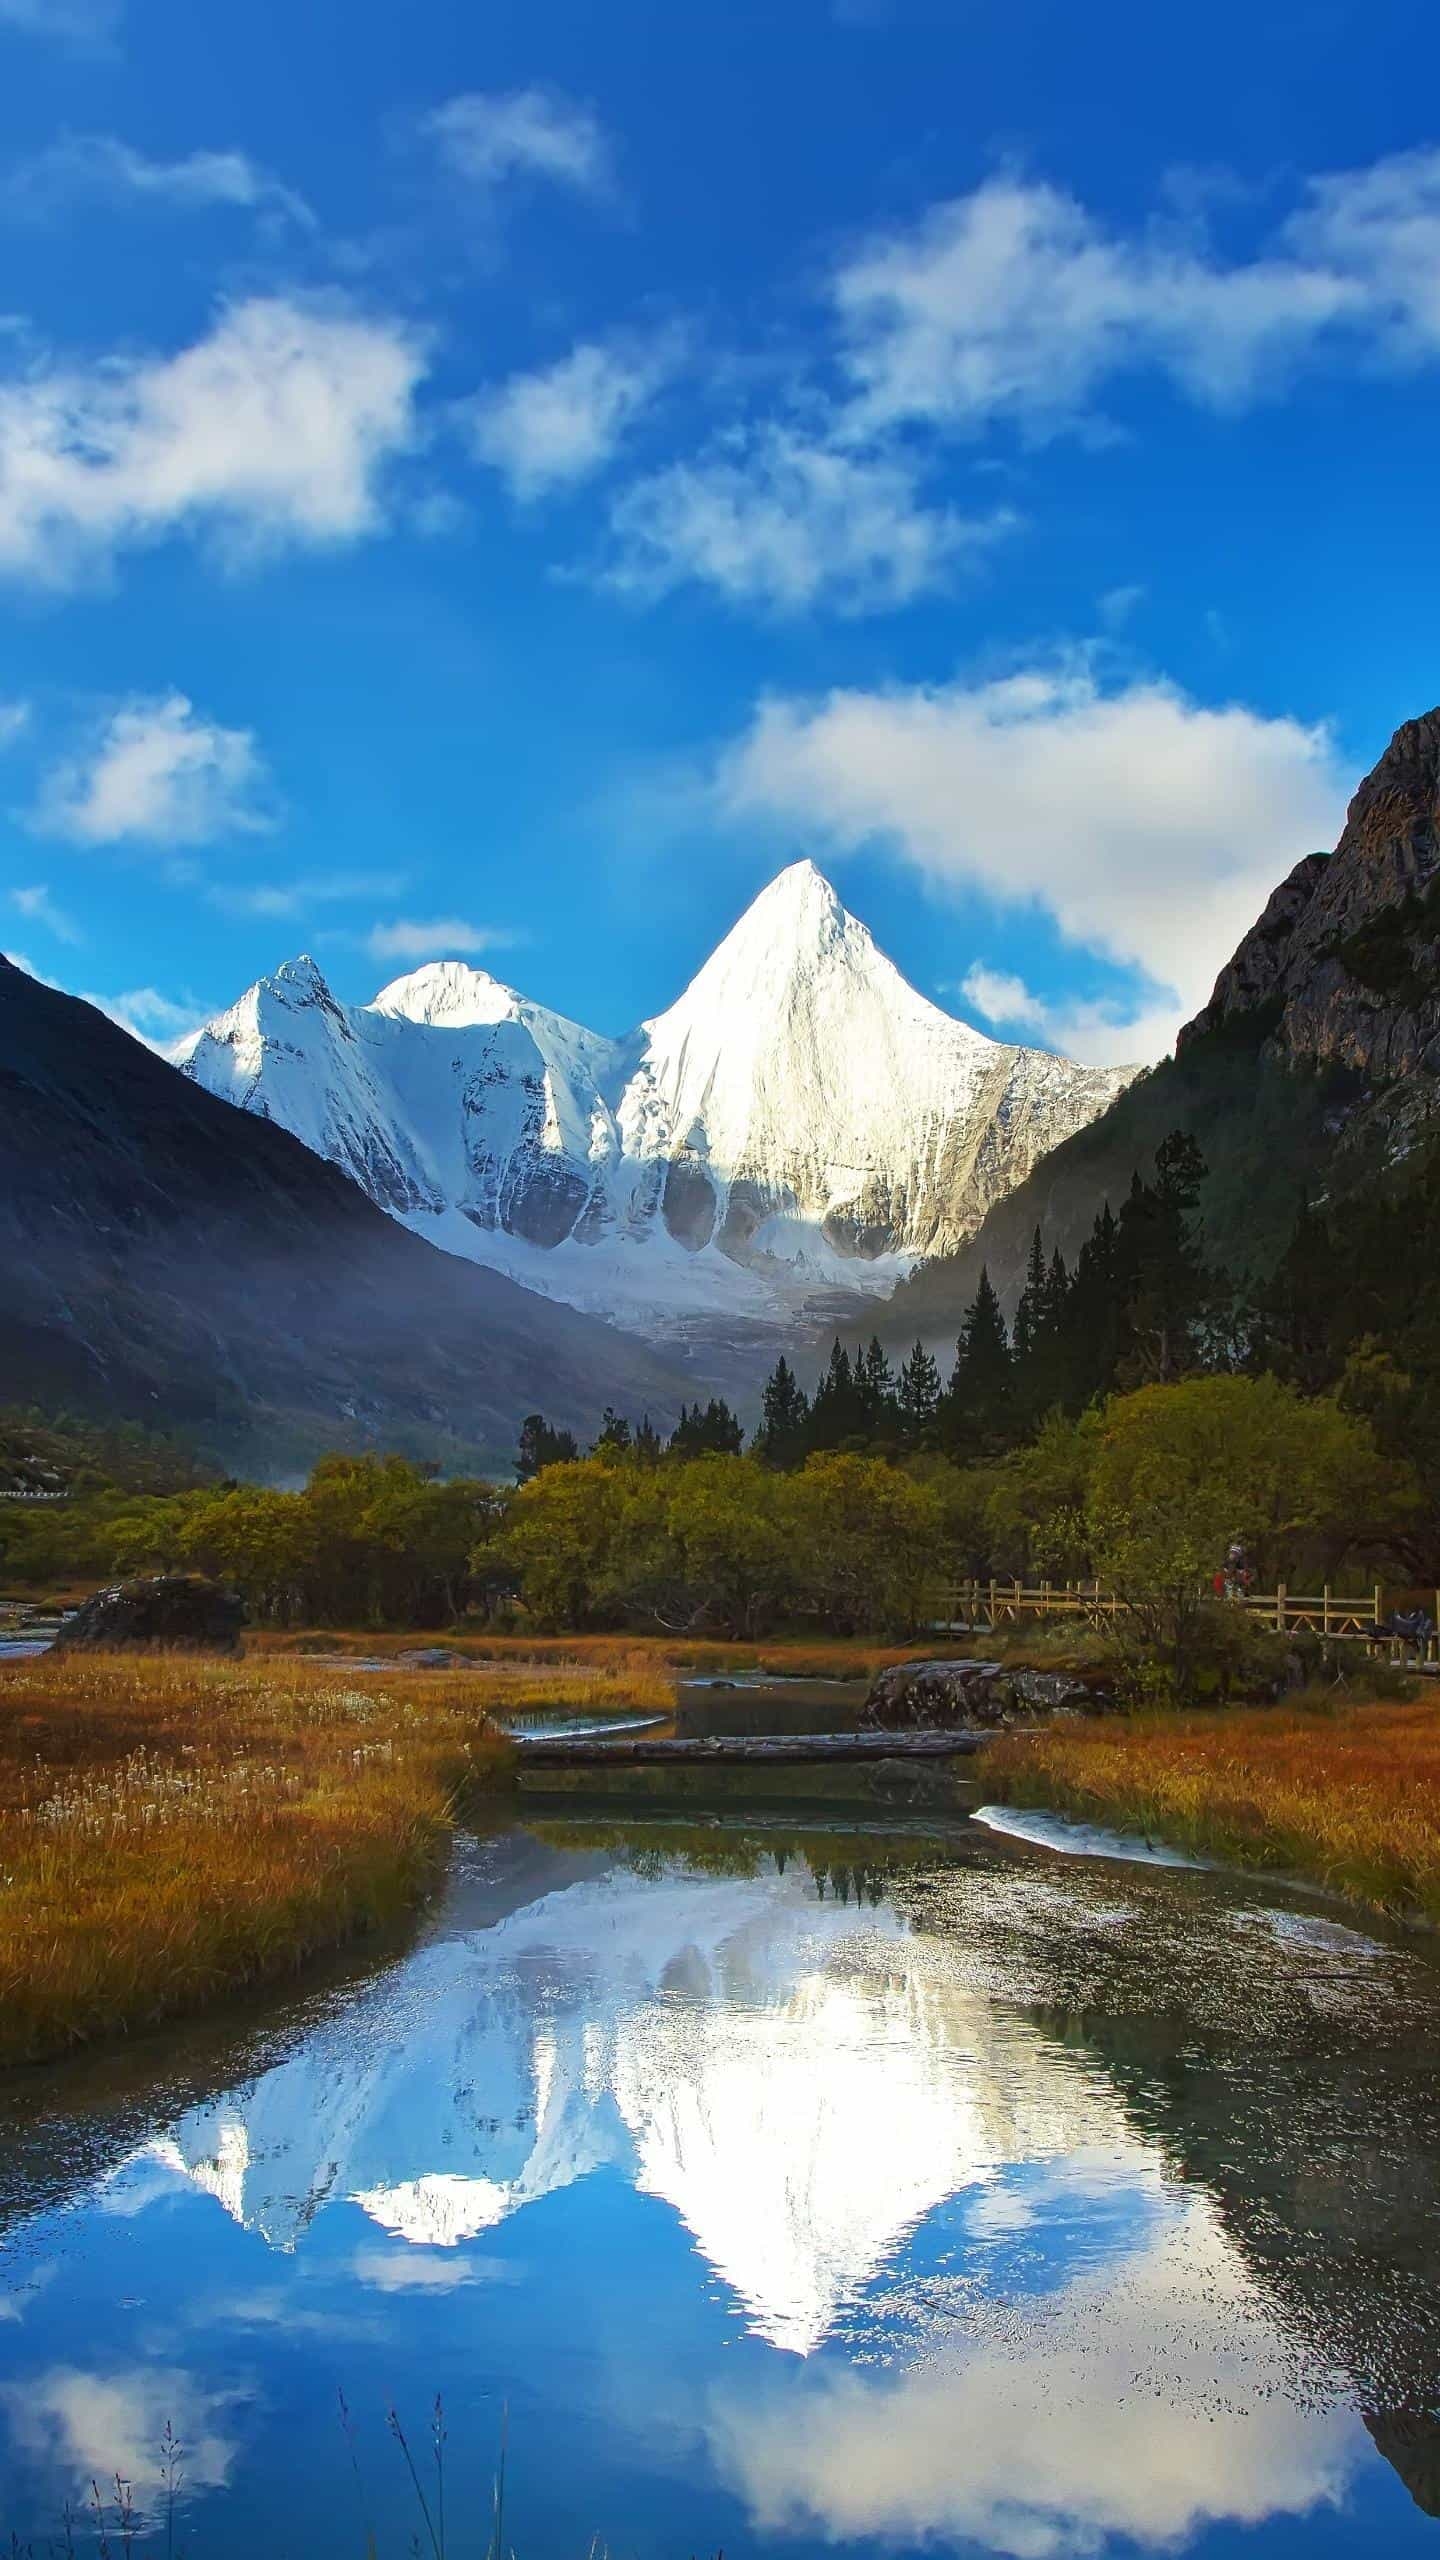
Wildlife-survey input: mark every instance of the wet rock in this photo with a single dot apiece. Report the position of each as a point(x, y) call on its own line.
point(430, 1657)
point(165, 1611)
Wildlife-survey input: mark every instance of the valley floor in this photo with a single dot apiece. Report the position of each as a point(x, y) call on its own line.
point(1346, 1796)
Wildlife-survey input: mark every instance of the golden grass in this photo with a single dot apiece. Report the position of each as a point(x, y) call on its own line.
point(172, 1829)
point(1348, 1796)
point(667, 1657)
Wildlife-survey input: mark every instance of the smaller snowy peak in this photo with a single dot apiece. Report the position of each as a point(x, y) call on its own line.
point(448, 991)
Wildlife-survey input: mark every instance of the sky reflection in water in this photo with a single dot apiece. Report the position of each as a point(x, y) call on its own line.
point(963, 2215)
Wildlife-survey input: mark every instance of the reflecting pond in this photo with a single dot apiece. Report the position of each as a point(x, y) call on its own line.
point(848, 2189)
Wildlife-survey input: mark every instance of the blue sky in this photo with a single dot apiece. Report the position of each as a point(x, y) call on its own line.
point(500, 481)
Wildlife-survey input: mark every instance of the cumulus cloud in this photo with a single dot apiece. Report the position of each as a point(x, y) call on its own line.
point(1100, 1032)
point(551, 428)
point(1074, 2429)
point(100, 166)
point(434, 938)
point(489, 137)
point(1017, 302)
point(40, 908)
point(1148, 827)
point(14, 716)
point(777, 518)
point(273, 430)
point(155, 772)
point(92, 2425)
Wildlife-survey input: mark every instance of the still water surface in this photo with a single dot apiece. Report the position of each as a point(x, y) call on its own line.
point(857, 2191)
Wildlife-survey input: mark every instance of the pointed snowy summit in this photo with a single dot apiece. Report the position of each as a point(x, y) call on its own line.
point(800, 1116)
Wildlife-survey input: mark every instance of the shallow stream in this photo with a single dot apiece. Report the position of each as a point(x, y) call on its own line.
point(804, 2185)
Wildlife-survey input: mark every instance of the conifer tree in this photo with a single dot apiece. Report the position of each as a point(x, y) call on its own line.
point(540, 1446)
point(835, 1412)
point(875, 1391)
point(918, 1399)
point(615, 1437)
point(979, 1402)
point(1030, 1313)
point(785, 1413)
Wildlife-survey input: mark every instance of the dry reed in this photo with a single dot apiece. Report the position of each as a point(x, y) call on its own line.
point(1348, 1796)
point(171, 1829)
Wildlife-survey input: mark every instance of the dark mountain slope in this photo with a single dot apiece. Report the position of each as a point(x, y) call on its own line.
point(166, 1258)
point(1314, 1068)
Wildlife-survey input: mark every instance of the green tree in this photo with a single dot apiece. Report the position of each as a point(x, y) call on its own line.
point(784, 1417)
point(979, 1415)
point(540, 1446)
point(918, 1400)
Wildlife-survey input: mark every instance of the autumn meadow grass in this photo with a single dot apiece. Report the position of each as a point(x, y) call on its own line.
point(172, 1829)
point(627, 1656)
point(1346, 1795)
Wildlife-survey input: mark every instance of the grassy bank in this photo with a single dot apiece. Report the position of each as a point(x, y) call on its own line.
point(626, 1657)
point(171, 1830)
point(1347, 1796)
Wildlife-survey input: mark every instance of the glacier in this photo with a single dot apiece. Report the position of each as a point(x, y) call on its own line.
point(801, 1122)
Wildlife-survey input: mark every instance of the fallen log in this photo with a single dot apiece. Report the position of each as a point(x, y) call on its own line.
point(762, 1750)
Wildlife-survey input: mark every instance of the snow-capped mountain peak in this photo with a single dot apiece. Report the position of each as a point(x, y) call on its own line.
point(449, 991)
point(800, 1117)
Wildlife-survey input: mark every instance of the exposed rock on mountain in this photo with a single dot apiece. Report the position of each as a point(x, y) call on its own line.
point(1314, 1067)
point(166, 1260)
point(800, 1120)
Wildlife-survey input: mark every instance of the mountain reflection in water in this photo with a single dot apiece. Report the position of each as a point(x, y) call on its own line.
point(907, 2189)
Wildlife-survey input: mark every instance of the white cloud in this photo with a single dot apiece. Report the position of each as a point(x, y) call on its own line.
point(487, 137)
point(999, 997)
point(157, 773)
point(775, 518)
point(38, 905)
point(275, 429)
point(91, 2426)
point(100, 165)
point(1060, 2433)
point(548, 429)
point(74, 22)
point(14, 716)
point(1098, 1032)
point(1016, 301)
point(439, 937)
point(1149, 828)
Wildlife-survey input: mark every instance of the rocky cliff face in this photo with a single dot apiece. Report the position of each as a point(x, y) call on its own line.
point(1346, 957)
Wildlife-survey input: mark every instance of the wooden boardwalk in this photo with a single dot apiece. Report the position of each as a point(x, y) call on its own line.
point(764, 1751)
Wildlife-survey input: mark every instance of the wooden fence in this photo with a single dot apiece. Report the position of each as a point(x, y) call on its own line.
point(985, 1606)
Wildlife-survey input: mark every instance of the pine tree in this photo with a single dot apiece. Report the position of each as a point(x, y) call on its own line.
point(1030, 1314)
point(705, 1432)
point(875, 1391)
point(979, 1413)
point(918, 1400)
point(539, 1447)
point(785, 1412)
point(1165, 1290)
point(615, 1435)
point(835, 1412)
point(649, 1447)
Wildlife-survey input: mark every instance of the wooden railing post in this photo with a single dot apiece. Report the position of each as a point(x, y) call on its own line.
point(992, 1604)
point(1280, 1609)
point(1325, 1628)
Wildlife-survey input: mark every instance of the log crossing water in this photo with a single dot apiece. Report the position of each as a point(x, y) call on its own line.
point(768, 1750)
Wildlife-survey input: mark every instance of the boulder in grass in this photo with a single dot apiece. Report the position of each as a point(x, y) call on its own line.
point(921, 1697)
point(165, 1612)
